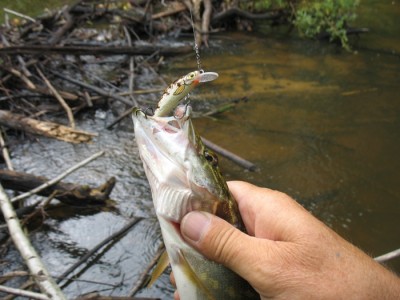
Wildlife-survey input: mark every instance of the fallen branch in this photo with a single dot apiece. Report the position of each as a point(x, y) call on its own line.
point(24, 293)
point(233, 157)
point(48, 129)
point(85, 258)
point(4, 150)
point(10, 275)
point(94, 88)
point(13, 12)
point(59, 98)
point(58, 35)
point(31, 258)
point(96, 50)
point(58, 178)
point(68, 193)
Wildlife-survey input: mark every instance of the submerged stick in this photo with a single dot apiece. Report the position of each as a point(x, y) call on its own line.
point(58, 178)
point(388, 256)
point(229, 155)
point(29, 254)
point(84, 258)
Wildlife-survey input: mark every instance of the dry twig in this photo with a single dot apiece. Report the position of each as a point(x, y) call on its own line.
point(32, 259)
point(58, 178)
point(23, 293)
point(59, 98)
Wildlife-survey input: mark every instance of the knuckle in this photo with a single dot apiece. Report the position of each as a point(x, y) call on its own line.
point(224, 250)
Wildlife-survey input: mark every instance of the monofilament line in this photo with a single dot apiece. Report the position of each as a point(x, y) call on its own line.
point(195, 47)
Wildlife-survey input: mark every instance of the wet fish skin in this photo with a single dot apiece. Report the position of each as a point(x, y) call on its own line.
point(184, 176)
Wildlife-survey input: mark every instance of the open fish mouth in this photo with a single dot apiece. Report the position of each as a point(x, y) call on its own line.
point(166, 146)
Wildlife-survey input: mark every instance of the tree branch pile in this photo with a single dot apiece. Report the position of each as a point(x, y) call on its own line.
point(47, 83)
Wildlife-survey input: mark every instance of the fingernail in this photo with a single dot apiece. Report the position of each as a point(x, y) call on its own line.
point(194, 224)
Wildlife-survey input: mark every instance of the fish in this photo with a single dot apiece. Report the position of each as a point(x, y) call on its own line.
point(184, 176)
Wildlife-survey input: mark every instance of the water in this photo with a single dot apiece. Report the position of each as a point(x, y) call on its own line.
point(321, 124)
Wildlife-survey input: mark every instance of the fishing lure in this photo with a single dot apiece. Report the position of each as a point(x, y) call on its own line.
point(179, 90)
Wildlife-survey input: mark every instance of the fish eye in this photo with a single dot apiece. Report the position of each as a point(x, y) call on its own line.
point(211, 158)
point(191, 75)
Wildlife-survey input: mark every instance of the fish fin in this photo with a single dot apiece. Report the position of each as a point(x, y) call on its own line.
point(160, 267)
point(194, 277)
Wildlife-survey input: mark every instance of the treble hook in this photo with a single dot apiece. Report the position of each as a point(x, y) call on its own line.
point(181, 116)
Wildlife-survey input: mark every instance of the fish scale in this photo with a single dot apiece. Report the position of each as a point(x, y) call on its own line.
point(184, 176)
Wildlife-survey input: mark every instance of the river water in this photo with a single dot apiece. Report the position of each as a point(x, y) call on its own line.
point(321, 124)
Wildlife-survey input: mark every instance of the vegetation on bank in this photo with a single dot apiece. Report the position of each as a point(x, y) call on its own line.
point(313, 18)
point(329, 19)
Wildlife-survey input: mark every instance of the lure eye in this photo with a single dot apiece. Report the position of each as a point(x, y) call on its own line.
point(191, 75)
point(211, 158)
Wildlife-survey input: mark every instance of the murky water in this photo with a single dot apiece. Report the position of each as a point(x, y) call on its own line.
point(321, 124)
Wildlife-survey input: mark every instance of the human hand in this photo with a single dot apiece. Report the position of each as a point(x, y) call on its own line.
point(287, 253)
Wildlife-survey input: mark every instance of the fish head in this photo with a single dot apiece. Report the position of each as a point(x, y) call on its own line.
point(183, 174)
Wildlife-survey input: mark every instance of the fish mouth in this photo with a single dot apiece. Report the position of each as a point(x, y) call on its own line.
point(163, 144)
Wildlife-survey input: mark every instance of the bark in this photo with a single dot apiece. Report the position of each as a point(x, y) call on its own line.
point(29, 254)
point(97, 50)
point(68, 193)
point(48, 129)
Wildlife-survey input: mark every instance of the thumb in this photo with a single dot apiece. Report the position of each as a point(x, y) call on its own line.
point(221, 242)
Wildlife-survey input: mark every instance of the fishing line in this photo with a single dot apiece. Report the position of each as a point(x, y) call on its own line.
point(195, 47)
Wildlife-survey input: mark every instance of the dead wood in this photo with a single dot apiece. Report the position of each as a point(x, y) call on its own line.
point(171, 9)
point(48, 129)
point(95, 89)
point(85, 258)
point(68, 193)
point(58, 35)
point(229, 155)
point(237, 12)
point(96, 296)
point(165, 50)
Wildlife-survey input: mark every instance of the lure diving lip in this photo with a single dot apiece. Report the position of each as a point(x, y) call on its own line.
point(208, 76)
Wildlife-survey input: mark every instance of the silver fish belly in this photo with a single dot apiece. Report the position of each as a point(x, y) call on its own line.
point(183, 177)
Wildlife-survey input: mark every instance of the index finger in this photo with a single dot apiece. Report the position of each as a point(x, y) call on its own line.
point(268, 213)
